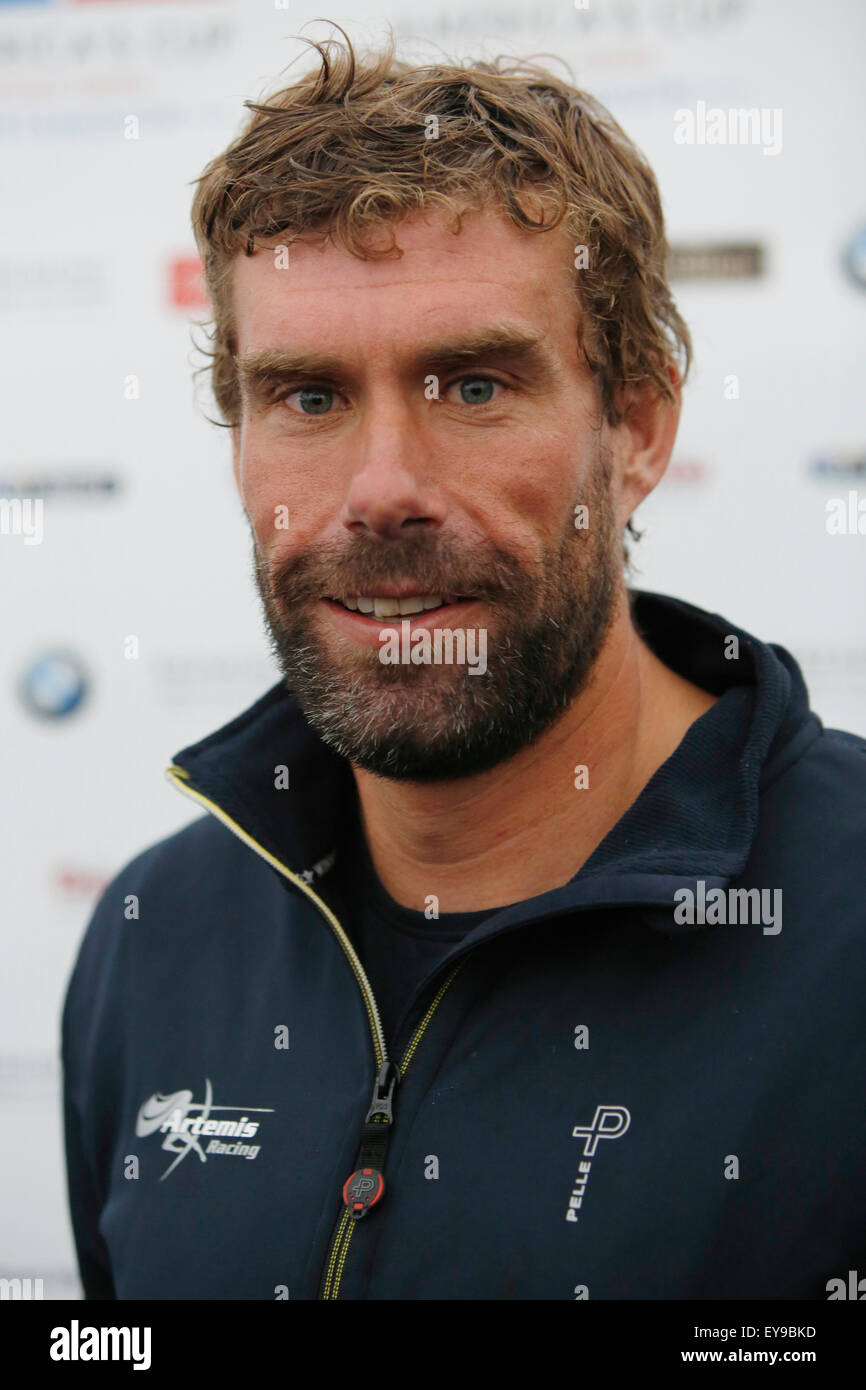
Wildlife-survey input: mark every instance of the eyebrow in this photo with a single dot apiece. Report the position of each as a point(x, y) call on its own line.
point(269, 367)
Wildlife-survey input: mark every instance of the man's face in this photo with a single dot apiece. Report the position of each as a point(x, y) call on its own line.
point(397, 456)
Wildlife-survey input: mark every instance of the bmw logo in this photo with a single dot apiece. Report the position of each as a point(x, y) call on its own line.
point(855, 258)
point(54, 685)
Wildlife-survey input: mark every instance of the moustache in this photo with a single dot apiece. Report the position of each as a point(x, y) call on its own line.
point(421, 562)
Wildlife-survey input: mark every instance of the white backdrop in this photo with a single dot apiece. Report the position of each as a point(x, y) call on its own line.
point(142, 534)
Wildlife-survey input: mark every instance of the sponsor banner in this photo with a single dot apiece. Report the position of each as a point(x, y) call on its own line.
point(717, 261)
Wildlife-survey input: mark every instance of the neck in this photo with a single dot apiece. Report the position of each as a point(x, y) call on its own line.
point(524, 827)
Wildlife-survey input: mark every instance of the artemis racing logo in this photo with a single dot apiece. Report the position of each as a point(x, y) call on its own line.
point(172, 1116)
point(608, 1122)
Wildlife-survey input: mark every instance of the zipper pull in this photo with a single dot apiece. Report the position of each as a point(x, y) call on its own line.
point(366, 1186)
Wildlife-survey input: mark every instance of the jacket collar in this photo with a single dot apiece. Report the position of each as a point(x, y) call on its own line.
point(695, 819)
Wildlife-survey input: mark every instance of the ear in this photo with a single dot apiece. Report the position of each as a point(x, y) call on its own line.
point(647, 437)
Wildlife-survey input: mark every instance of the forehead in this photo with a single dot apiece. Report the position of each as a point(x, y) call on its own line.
point(316, 294)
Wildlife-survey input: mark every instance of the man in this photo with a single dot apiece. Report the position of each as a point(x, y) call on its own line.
point(475, 981)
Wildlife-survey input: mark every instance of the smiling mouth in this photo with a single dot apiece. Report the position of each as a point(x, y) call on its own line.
point(381, 606)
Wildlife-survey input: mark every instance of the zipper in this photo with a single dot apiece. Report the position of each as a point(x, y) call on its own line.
point(175, 775)
point(365, 1186)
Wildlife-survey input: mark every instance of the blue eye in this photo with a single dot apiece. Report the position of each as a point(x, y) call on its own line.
point(476, 390)
point(319, 398)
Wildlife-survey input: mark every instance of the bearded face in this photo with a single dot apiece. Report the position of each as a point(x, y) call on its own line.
point(424, 721)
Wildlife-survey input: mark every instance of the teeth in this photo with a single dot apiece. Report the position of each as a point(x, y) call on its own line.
point(394, 607)
point(385, 607)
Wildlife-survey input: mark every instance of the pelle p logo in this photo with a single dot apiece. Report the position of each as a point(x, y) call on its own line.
point(608, 1122)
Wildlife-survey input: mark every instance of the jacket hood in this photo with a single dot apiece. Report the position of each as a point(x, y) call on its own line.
point(695, 819)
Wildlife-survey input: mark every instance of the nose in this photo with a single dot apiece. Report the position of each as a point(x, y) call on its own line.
point(391, 488)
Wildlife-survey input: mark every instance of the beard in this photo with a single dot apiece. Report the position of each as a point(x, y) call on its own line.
point(432, 723)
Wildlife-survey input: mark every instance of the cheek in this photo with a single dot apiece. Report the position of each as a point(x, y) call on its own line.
point(528, 497)
point(285, 512)
point(277, 471)
point(264, 485)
